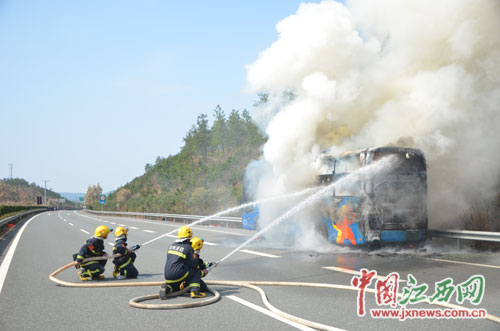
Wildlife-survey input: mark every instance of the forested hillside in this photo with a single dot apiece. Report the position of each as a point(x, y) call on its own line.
point(203, 178)
point(18, 192)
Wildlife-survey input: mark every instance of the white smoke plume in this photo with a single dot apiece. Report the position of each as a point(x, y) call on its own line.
point(417, 73)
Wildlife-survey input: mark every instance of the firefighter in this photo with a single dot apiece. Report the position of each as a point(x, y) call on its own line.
point(197, 245)
point(93, 247)
point(181, 267)
point(124, 265)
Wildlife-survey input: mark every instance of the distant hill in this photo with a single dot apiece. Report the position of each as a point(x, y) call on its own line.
point(18, 192)
point(204, 177)
point(72, 196)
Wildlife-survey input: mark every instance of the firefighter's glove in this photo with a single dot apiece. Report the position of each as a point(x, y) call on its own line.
point(204, 272)
point(77, 265)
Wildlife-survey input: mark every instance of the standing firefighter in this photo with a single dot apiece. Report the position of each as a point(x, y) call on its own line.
point(93, 247)
point(124, 265)
point(181, 267)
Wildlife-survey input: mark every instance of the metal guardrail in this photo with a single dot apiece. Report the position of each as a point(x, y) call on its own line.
point(465, 235)
point(16, 217)
point(227, 221)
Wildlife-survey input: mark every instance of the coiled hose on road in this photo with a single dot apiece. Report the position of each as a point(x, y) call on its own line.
point(136, 302)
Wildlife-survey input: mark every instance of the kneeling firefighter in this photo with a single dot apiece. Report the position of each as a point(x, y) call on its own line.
point(203, 267)
point(181, 267)
point(93, 247)
point(124, 264)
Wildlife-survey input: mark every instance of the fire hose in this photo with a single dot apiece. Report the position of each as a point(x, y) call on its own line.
point(136, 302)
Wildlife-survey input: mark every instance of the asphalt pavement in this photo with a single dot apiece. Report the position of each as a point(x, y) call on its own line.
point(30, 301)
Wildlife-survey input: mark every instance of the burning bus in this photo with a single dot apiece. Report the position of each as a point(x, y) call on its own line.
point(387, 206)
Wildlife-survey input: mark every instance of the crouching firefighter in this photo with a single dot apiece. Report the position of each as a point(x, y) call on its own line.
point(197, 245)
point(124, 264)
point(93, 247)
point(181, 267)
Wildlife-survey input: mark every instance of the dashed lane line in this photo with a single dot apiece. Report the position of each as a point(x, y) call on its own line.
point(258, 253)
point(170, 225)
point(84, 231)
point(354, 272)
point(71, 224)
point(149, 231)
point(204, 242)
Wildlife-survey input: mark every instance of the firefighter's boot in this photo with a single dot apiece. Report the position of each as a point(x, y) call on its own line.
point(164, 291)
point(82, 277)
point(115, 272)
point(198, 294)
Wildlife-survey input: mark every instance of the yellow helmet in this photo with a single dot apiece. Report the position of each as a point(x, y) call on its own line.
point(102, 231)
point(120, 231)
point(184, 232)
point(196, 243)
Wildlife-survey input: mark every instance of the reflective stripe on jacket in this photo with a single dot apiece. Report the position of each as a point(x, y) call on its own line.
point(180, 260)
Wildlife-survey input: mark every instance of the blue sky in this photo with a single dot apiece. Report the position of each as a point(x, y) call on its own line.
point(91, 91)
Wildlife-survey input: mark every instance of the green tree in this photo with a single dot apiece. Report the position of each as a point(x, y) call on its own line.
point(235, 129)
point(202, 136)
point(219, 128)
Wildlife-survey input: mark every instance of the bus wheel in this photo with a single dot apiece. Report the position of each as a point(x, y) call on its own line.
point(374, 245)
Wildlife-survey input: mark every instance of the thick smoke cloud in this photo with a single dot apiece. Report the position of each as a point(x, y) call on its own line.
point(422, 74)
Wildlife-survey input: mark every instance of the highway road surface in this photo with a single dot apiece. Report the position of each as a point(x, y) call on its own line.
point(40, 245)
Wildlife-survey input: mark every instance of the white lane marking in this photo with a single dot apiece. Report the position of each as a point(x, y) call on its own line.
point(468, 263)
point(354, 272)
point(122, 224)
point(71, 224)
point(172, 236)
point(4, 268)
point(133, 227)
point(112, 222)
point(111, 244)
point(233, 233)
point(84, 231)
point(258, 253)
point(149, 231)
point(103, 221)
point(68, 214)
point(49, 214)
point(170, 225)
point(267, 312)
point(64, 220)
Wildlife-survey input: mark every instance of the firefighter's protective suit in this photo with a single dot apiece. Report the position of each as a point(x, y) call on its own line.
point(93, 247)
point(124, 265)
point(91, 269)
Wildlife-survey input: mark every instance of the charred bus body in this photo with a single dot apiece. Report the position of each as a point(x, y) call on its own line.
point(388, 206)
